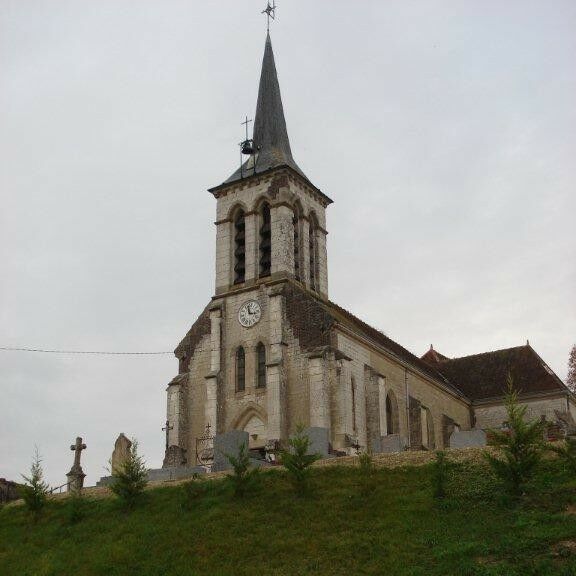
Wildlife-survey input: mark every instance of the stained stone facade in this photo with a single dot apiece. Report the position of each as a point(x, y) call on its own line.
point(299, 359)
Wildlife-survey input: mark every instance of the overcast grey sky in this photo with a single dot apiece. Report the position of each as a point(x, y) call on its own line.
point(445, 132)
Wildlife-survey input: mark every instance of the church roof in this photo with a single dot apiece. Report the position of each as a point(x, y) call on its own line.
point(433, 357)
point(270, 133)
point(484, 376)
point(312, 318)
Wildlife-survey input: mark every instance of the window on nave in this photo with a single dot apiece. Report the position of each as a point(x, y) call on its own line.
point(240, 370)
point(261, 369)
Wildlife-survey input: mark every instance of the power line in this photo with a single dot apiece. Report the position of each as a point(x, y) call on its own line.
point(94, 352)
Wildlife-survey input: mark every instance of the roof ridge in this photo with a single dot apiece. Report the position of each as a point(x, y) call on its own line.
point(490, 352)
point(390, 345)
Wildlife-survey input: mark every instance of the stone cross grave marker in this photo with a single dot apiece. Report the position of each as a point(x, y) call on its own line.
point(167, 429)
point(76, 475)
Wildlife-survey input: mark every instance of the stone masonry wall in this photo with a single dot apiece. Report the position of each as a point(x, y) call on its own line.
point(198, 368)
point(282, 193)
point(494, 416)
point(429, 395)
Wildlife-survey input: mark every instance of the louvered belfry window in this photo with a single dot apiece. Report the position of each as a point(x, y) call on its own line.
point(240, 370)
point(296, 223)
point(239, 248)
point(312, 248)
point(265, 242)
point(261, 374)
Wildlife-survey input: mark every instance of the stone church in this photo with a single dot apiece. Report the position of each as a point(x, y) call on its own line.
point(271, 351)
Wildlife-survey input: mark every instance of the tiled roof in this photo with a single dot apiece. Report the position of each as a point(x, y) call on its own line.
point(313, 317)
point(434, 358)
point(484, 376)
point(348, 319)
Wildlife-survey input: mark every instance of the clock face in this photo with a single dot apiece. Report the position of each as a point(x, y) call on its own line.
point(249, 313)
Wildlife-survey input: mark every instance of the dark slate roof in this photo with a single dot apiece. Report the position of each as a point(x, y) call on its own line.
point(270, 133)
point(484, 376)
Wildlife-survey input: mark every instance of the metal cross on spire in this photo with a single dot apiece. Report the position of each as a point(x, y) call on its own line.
point(270, 12)
point(245, 123)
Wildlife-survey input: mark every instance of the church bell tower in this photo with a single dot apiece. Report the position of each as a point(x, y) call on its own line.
point(241, 364)
point(271, 221)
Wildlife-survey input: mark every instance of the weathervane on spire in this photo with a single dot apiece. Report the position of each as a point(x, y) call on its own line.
point(270, 12)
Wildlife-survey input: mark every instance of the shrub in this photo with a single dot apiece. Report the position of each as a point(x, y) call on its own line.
point(243, 477)
point(367, 470)
point(522, 445)
point(130, 479)
point(75, 507)
point(35, 491)
point(297, 461)
point(567, 453)
point(191, 492)
point(440, 475)
point(470, 481)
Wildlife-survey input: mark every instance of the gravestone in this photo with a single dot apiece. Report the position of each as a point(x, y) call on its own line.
point(319, 441)
point(391, 443)
point(225, 445)
point(566, 422)
point(121, 452)
point(8, 491)
point(162, 474)
point(175, 457)
point(468, 438)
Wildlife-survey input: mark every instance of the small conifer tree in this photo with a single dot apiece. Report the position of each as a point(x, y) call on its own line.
point(440, 475)
point(567, 453)
point(191, 492)
point(297, 461)
point(35, 492)
point(368, 482)
point(522, 445)
point(571, 379)
point(130, 479)
point(243, 477)
point(75, 507)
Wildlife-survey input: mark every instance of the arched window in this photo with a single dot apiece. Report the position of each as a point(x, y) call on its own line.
point(261, 366)
point(392, 418)
point(353, 385)
point(313, 252)
point(265, 241)
point(389, 417)
point(239, 248)
point(296, 222)
point(240, 370)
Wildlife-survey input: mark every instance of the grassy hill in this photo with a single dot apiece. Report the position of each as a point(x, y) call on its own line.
point(399, 529)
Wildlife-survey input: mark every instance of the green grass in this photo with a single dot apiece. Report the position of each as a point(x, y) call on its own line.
point(399, 529)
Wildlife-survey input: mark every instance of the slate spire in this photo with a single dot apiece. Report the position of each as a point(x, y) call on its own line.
point(270, 134)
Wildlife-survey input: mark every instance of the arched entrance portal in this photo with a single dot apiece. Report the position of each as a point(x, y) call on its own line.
point(253, 420)
point(257, 433)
